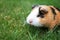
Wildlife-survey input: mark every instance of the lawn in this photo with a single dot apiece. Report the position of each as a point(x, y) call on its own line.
point(13, 14)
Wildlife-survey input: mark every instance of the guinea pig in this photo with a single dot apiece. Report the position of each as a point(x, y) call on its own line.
point(44, 16)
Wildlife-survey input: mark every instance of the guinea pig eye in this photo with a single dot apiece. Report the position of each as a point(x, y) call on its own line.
point(42, 16)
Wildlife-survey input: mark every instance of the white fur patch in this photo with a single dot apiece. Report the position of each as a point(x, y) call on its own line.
point(33, 16)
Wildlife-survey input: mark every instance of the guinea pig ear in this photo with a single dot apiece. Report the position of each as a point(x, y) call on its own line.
point(33, 6)
point(44, 11)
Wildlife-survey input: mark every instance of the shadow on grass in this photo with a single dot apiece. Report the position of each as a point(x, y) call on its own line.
point(42, 29)
point(37, 33)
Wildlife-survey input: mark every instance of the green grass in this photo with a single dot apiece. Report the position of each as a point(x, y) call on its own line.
point(13, 13)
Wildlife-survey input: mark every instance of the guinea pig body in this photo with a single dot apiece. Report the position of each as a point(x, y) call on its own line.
point(43, 15)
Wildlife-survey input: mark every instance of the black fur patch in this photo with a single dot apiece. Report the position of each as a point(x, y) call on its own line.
point(53, 11)
point(57, 8)
point(40, 13)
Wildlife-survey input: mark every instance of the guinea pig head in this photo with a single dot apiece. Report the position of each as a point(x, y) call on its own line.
point(40, 15)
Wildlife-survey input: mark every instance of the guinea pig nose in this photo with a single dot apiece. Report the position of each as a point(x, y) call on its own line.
point(30, 21)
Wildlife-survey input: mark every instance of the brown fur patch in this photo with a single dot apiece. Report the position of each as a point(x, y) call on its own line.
point(48, 18)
